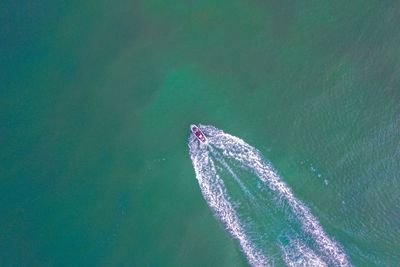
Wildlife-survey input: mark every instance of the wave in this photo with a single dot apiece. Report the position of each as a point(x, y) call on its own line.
point(257, 208)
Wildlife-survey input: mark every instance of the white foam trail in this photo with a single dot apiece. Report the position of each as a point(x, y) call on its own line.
point(297, 254)
point(213, 189)
point(233, 174)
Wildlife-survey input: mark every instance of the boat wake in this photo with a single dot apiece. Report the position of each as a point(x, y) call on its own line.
point(257, 208)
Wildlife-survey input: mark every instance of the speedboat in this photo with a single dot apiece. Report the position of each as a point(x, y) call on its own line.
point(198, 133)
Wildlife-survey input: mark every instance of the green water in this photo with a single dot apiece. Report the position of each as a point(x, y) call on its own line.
point(96, 99)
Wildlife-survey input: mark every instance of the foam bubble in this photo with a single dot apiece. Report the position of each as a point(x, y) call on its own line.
point(325, 251)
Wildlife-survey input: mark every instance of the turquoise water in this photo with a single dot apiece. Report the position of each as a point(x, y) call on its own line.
point(256, 207)
point(96, 102)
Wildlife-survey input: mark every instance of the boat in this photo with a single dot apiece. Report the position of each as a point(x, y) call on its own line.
point(198, 133)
